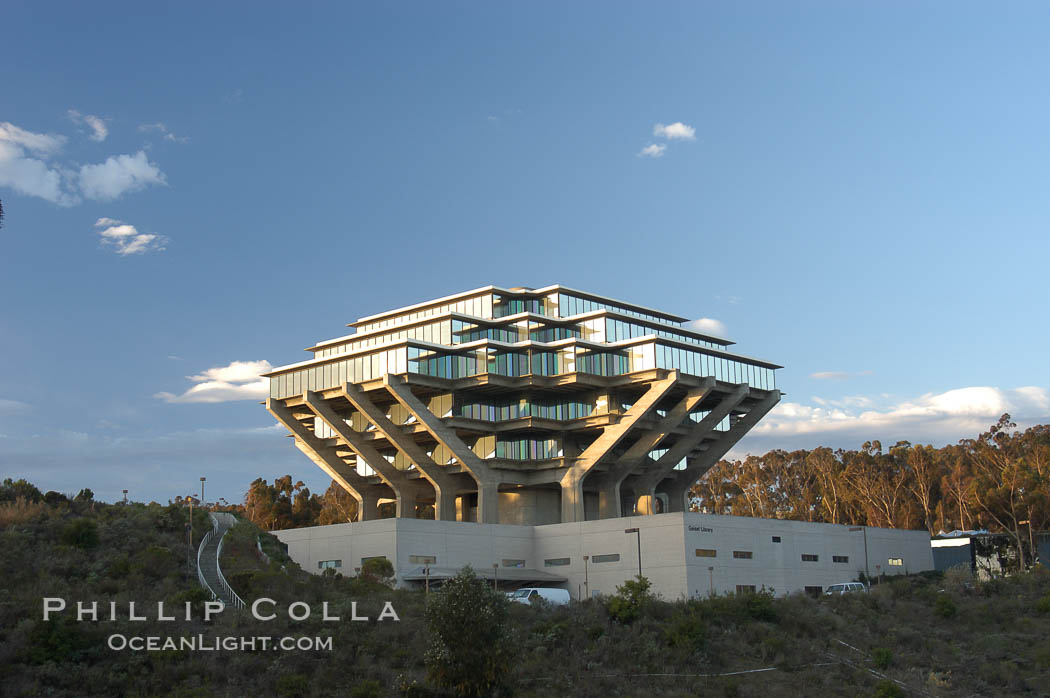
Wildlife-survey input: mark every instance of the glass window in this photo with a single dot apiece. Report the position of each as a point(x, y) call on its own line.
point(745, 588)
point(840, 558)
point(809, 557)
point(895, 561)
point(704, 552)
point(422, 559)
point(329, 564)
point(513, 563)
point(556, 562)
point(743, 554)
point(614, 557)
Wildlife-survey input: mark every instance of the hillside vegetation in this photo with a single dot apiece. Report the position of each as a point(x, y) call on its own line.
point(905, 637)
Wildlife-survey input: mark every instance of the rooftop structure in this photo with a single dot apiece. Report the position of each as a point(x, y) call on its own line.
point(520, 406)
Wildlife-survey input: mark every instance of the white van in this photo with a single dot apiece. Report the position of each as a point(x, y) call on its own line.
point(844, 588)
point(558, 597)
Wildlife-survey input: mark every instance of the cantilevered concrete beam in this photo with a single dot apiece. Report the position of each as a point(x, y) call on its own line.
point(488, 481)
point(572, 508)
point(325, 457)
point(405, 490)
point(609, 490)
point(444, 485)
point(664, 466)
point(678, 486)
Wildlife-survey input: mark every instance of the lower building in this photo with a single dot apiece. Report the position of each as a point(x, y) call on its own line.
point(683, 554)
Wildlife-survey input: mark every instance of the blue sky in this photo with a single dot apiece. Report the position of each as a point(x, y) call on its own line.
point(858, 191)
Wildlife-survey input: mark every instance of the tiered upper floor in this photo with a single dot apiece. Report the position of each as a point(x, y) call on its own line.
point(516, 332)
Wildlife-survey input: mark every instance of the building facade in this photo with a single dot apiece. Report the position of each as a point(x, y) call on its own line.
point(520, 406)
point(684, 555)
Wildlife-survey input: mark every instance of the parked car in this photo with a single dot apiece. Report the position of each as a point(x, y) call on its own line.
point(844, 588)
point(558, 597)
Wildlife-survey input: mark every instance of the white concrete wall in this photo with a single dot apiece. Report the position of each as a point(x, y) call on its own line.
point(669, 544)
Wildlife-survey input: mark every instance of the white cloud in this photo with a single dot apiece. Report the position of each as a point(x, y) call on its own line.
point(653, 150)
point(162, 129)
point(26, 168)
point(937, 418)
point(40, 143)
point(838, 375)
point(126, 239)
point(708, 325)
point(31, 175)
point(95, 123)
point(677, 130)
point(9, 407)
point(117, 175)
point(238, 380)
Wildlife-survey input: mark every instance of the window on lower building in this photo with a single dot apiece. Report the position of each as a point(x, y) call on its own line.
point(423, 559)
point(896, 561)
point(808, 557)
point(814, 591)
point(745, 588)
point(373, 557)
point(704, 552)
point(329, 564)
point(743, 555)
point(614, 557)
point(556, 562)
point(776, 539)
point(513, 563)
point(840, 558)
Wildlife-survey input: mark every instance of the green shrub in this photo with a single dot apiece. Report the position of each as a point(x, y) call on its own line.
point(686, 631)
point(760, 606)
point(469, 651)
point(293, 686)
point(369, 688)
point(887, 689)
point(631, 597)
point(1043, 604)
point(378, 569)
point(944, 606)
point(881, 657)
point(80, 533)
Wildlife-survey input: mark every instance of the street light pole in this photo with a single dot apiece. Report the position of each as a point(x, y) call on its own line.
point(125, 496)
point(202, 491)
point(637, 532)
point(586, 581)
point(495, 577)
point(711, 574)
point(867, 571)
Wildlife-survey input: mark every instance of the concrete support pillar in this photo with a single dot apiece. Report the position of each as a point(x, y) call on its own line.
point(444, 504)
point(406, 502)
point(488, 502)
point(609, 500)
point(677, 496)
point(368, 507)
point(572, 497)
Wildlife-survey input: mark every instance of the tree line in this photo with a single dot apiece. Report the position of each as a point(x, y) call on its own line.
point(999, 481)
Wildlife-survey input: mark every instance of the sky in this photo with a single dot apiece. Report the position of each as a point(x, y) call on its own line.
point(195, 191)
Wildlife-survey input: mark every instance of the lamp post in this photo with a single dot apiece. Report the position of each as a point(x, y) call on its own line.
point(125, 496)
point(495, 577)
point(426, 576)
point(637, 532)
point(867, 572)
point(586, 581)
point(202, 491)
point(711, 574)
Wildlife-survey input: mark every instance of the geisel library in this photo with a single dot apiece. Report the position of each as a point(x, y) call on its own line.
point(524, 431)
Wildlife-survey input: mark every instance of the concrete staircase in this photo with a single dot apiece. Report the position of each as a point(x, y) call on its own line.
point(208, 570)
